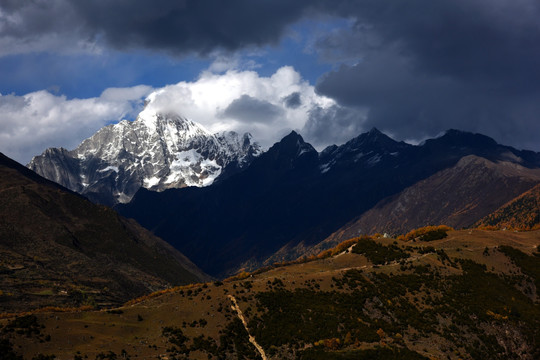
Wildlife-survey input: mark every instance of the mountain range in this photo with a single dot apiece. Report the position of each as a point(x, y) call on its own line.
point(457, 196)
point(292, 198)
point(433, 293)
point(229, 206)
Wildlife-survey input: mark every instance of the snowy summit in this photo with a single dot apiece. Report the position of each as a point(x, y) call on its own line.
point(156, 151)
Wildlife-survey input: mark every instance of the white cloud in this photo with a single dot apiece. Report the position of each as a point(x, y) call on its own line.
point(33, 122)
point(125, 94)
point(207, 100)
point(221, 102)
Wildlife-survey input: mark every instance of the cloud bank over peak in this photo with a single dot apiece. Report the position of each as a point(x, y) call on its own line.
point(425, 66)
point(410, 68)
point(35, 121)
point(242, 101)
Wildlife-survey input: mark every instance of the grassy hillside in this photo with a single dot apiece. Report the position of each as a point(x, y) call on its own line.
point(522, 213)
point(470, 295)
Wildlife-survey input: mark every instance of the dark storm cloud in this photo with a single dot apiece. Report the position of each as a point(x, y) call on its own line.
point(477, 40)
point(333, 125)
point(174, 26)
point(250, 109)
point(196, 25)
point(293, 100)
point(24, 20)
point(418, 66)
point(425, 66)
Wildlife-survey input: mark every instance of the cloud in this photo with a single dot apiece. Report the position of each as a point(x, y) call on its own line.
point(243, 101)
point(333, 125)
point(411, 68)
point(251, 110)
point(178, 27)
point(125, 94)
point(35, 121)
point(422, 66)
point(293, 100)
point(29, 26)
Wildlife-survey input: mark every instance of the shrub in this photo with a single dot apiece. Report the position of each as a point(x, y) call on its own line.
point(378, 253)
point(427, 233)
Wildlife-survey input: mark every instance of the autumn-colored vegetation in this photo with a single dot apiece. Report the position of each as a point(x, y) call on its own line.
point(433, 303)
point(341, 247)
point(426, 233)
point(337, 322)
point(378, 253)
point(522, 214)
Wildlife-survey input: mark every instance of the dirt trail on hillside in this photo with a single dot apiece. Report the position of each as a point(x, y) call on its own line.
point(252, 340)
point(345, 251)
point(392, 263)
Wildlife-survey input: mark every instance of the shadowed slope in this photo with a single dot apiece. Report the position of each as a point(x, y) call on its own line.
point(57, 248)
point(457, 196)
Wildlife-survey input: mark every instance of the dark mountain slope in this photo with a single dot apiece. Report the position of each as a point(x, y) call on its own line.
point(57, 248)
point(291, 198)
point(457, 196)
point(239, 218)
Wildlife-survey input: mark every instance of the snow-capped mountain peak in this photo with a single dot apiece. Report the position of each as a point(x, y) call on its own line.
point(156, 151)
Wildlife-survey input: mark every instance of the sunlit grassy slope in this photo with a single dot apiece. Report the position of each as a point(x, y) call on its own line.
point(470, 295)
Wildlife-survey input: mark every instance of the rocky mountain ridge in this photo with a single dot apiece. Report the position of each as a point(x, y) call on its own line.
point(457, 196)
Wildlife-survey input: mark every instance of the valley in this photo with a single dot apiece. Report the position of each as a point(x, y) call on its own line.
point(311, 255)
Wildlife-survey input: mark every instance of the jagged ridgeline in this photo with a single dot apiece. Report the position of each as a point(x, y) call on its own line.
point(291, 200)
point(294, 201)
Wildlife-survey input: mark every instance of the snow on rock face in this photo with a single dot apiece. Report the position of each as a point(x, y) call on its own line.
point(193, 169)
point(156, 151)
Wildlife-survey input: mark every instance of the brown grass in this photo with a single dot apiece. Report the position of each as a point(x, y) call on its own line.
point(48, 309)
